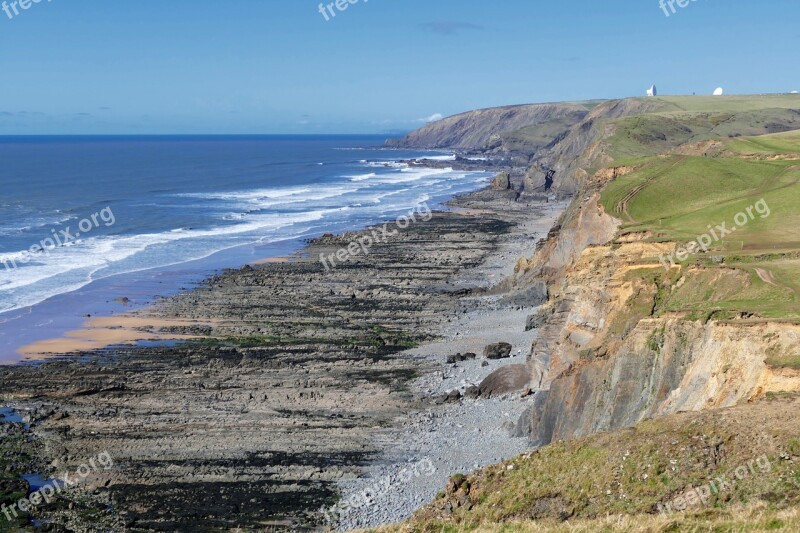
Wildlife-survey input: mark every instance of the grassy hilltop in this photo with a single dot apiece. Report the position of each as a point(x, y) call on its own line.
point(678, 120)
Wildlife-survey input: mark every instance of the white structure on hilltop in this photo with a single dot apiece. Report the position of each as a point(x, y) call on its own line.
point(652, 91)
point(719, 91)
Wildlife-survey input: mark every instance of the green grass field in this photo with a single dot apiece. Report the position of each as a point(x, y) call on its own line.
point(679, 198)
point(730, 104)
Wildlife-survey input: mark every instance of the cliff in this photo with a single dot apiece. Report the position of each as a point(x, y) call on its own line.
point(561, 145)
point(667, 360)
point(629, 335)
point(615, 357)
point(520, 129)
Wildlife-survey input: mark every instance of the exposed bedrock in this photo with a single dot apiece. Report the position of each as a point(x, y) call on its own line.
point(289, 391)
point(665, 366)
point(603, 360)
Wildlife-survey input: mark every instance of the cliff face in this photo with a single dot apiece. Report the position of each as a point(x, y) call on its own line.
point(481, 130)
point(581, 148)
point(695, 367)
point(604, 362)
point(704, 349)
point(623, 339)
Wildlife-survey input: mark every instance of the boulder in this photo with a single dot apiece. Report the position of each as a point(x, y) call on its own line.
point(457, 358)
point(502, 182)
point(504, 380)
point(501, 350)
point(453, 396)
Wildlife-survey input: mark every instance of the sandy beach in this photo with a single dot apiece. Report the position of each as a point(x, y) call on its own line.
point(103, 332)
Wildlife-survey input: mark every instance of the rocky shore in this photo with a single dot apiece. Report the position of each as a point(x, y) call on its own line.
point(464, 428)
point(295, 382)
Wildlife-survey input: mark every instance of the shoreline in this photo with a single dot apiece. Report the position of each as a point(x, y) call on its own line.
point(43, 302)
point(300, 394)
point(76, 331)
point(101, 300)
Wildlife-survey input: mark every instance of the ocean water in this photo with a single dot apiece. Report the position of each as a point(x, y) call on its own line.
point(84, 220)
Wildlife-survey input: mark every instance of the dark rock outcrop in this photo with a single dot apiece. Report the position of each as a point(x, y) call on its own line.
point(502, 181)
point(500, 350)
point(533, 295)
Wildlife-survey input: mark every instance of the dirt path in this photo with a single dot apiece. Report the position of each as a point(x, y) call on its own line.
point(622, 205)
point(766, 276)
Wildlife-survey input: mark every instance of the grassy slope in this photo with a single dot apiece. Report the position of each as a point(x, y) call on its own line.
point(531, 139)
point(677, 197)
point(615, 481)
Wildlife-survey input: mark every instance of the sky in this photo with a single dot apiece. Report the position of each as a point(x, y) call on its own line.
point(380, 66)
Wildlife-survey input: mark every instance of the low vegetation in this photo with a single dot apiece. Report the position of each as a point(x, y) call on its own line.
point(748, 457)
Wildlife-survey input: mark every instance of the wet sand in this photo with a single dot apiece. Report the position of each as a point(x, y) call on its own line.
point(103, 332)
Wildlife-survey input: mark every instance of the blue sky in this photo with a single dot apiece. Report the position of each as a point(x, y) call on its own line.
point(277, 66)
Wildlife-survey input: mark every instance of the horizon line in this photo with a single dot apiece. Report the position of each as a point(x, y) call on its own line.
point(6, 135)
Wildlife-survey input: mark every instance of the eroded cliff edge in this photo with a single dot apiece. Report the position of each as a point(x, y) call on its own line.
point(628, 335)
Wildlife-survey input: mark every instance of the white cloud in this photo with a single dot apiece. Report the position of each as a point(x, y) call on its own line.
point(433, 118)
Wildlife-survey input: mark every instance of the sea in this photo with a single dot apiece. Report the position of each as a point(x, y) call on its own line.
point(98, 225)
